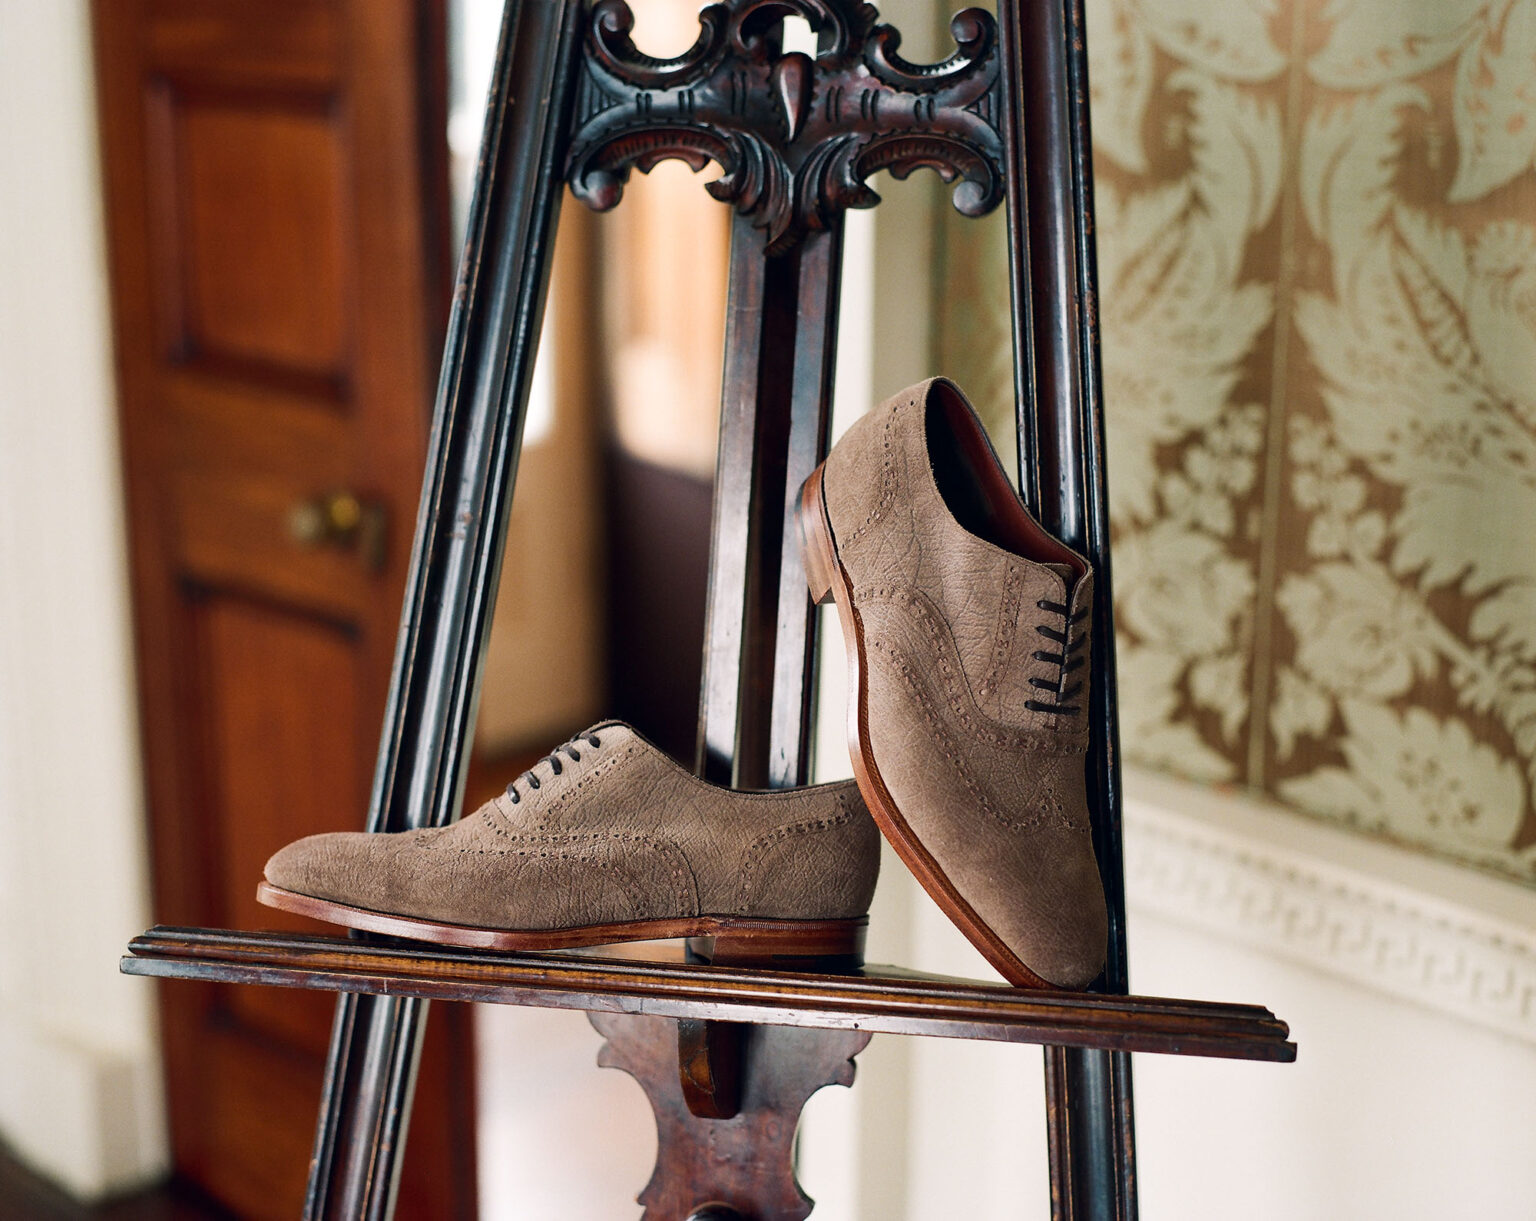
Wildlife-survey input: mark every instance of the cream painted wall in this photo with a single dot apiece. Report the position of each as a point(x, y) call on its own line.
point(79, 1067)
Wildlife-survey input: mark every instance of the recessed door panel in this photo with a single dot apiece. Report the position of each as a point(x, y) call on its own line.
point(274, 221)
point(251, 202)
point(278, 705)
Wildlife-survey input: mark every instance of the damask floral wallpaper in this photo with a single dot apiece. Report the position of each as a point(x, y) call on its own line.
point(1317, 255)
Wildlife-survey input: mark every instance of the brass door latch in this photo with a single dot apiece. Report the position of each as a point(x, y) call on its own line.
point(343, 520)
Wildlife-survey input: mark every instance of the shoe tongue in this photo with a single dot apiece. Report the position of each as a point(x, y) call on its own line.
point(1065, 571)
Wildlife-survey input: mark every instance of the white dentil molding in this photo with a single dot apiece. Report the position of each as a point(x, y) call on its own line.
point(1379, 916)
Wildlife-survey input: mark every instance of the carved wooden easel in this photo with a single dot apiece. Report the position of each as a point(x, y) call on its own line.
point(729, 1054)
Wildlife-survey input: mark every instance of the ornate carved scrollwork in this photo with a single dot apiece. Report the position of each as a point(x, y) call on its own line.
point(796, 137)
point(740, 1165)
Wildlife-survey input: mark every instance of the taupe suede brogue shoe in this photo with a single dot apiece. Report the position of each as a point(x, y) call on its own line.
point(606, 839)
point(966, 626)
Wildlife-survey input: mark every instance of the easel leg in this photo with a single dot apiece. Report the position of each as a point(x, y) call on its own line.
point(1087, 1099)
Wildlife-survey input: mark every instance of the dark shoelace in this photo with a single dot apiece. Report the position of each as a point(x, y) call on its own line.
point(553, 759)
point(1067, 660)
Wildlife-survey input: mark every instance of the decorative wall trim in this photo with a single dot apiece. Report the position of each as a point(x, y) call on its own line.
point(1373, 914)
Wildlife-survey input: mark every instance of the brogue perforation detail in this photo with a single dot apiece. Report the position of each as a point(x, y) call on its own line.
point(545, 816)
point(961, 700)
point(752, 858)
point(1007, 628)
point(887, 480)
point(1054, 815)
point(571, 748)
point(681, 874)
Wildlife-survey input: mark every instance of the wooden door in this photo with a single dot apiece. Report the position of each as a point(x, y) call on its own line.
point(275, 173)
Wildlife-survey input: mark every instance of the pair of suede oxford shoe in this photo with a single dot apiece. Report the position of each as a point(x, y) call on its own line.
point(966, 629)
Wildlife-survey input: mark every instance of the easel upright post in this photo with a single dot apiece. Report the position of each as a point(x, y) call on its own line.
point(455, 569)
point(1053, 275)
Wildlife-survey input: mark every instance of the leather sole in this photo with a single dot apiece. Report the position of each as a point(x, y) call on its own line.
point(828, 580)
point(740, 940)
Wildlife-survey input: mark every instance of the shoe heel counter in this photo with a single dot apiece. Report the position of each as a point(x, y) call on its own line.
point(860, 476)
point(817, 554)
point(825, 867)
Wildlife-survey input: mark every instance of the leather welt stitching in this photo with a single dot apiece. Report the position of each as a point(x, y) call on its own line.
point(1055, 813)
point(959, 696)
point(752, 858)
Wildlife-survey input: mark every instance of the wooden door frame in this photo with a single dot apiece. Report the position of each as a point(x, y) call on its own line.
point(407, 300)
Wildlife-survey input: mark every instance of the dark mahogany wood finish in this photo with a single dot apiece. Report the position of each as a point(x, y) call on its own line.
point(795, 137)
point(1053, 272)
point(738, 1166)
point(880, 999)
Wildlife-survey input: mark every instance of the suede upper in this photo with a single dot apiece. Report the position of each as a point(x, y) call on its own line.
point(959, 679)
point(618, 834)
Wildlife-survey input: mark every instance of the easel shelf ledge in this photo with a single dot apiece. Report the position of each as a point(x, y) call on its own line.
point(877, 998)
